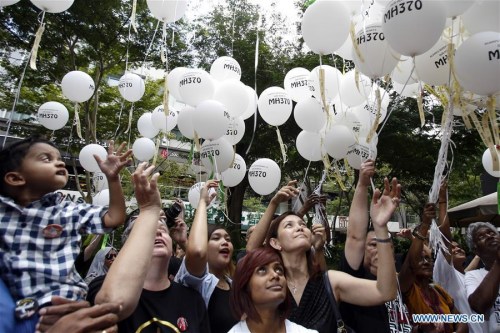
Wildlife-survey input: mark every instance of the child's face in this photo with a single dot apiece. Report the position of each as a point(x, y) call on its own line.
point(43, 169)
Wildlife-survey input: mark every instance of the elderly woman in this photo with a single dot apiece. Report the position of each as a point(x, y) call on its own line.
point(420, 294)
point(260, 296)
point(101, 263)
point(311, 296)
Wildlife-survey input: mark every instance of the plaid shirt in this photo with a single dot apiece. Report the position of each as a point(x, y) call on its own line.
point(34, 266)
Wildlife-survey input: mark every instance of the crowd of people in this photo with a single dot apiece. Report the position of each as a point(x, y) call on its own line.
point(166, 279)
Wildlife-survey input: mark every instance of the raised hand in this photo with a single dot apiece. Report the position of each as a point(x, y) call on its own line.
point(205, 194)
point(146, 190)
point(366, 172)
point(115, 161)
point(286, 193)
point(384, 204)
point(318, 236)
point(429, 213)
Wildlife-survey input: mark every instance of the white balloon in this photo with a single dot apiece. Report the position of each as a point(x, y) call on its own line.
point(482, 16)
point(252, 103)
point(53, 6)
point(433, 67)
point(131, 87)
point(235, 131)
point(296, 84)
point(477, 63)
point(404, 72)
point(167, 10)
point(264, 176)
point(100, 181)
point(235, 174)
point(233, 94)
point(412, 27)
point(194, 194)
point(345, 51)
point(173, 79)
point(360, 152)
point(349, 119)
point(332, 82)
point(217, 155)
point(309, 146)
point(309, 115)
point(210, 119)
point(325, 26)
point(185, 122)
point(275, 106)
point(379, 58)
point(371, 106)
point(410, 90)
point(354, 93)
point(144, 149)
point(195, 86)
point(225, 68)
point(53, 115)
point(172, 118)
point(4, 3)
point(338, 140)
point(146, 127)
point(87, 159)
point(101, 198)
point(457, 7)
point(77, 86)
point(488, 162)
point(159, 118)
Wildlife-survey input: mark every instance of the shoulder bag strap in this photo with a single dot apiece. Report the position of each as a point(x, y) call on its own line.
point(341, 328)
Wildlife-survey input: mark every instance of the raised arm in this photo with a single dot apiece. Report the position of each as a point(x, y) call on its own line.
point(179, 231)
point(196, 251)
point(259, 234)
point(406, 275)
point(354, 249)
point(123, 285)
point(444, 222)
point(111, 168)
point(483, 298)
point(365, 292)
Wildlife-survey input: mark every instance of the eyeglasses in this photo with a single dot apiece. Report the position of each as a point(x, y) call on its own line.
point(110, 256)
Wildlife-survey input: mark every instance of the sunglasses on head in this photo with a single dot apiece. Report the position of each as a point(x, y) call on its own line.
point(110, 256)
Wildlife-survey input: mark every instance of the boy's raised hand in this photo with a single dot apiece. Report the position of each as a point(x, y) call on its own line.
point(115, 161)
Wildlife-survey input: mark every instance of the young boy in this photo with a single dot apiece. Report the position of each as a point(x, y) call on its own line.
point(39, 233)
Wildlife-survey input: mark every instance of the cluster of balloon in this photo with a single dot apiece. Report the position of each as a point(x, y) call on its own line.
point(390, 38)
point(76, 86)
point(214, 107)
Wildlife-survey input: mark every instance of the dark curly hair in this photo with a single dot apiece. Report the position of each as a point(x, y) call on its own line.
point(12, 156)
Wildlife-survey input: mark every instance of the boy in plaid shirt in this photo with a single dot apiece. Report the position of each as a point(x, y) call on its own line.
point(40, 234)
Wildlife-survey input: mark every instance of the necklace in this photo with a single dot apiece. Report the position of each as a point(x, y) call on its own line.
point(294, 288)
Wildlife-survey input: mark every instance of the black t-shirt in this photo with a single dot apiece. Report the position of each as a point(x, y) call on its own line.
point(371, 318)
point(159, 311)
point(221, 317)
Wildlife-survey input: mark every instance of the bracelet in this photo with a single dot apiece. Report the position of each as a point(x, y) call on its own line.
point(443, 202)
point(384, 240)
point(418, 235)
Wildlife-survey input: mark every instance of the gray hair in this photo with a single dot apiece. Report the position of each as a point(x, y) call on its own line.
point(473, 228)
point(129, 223)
